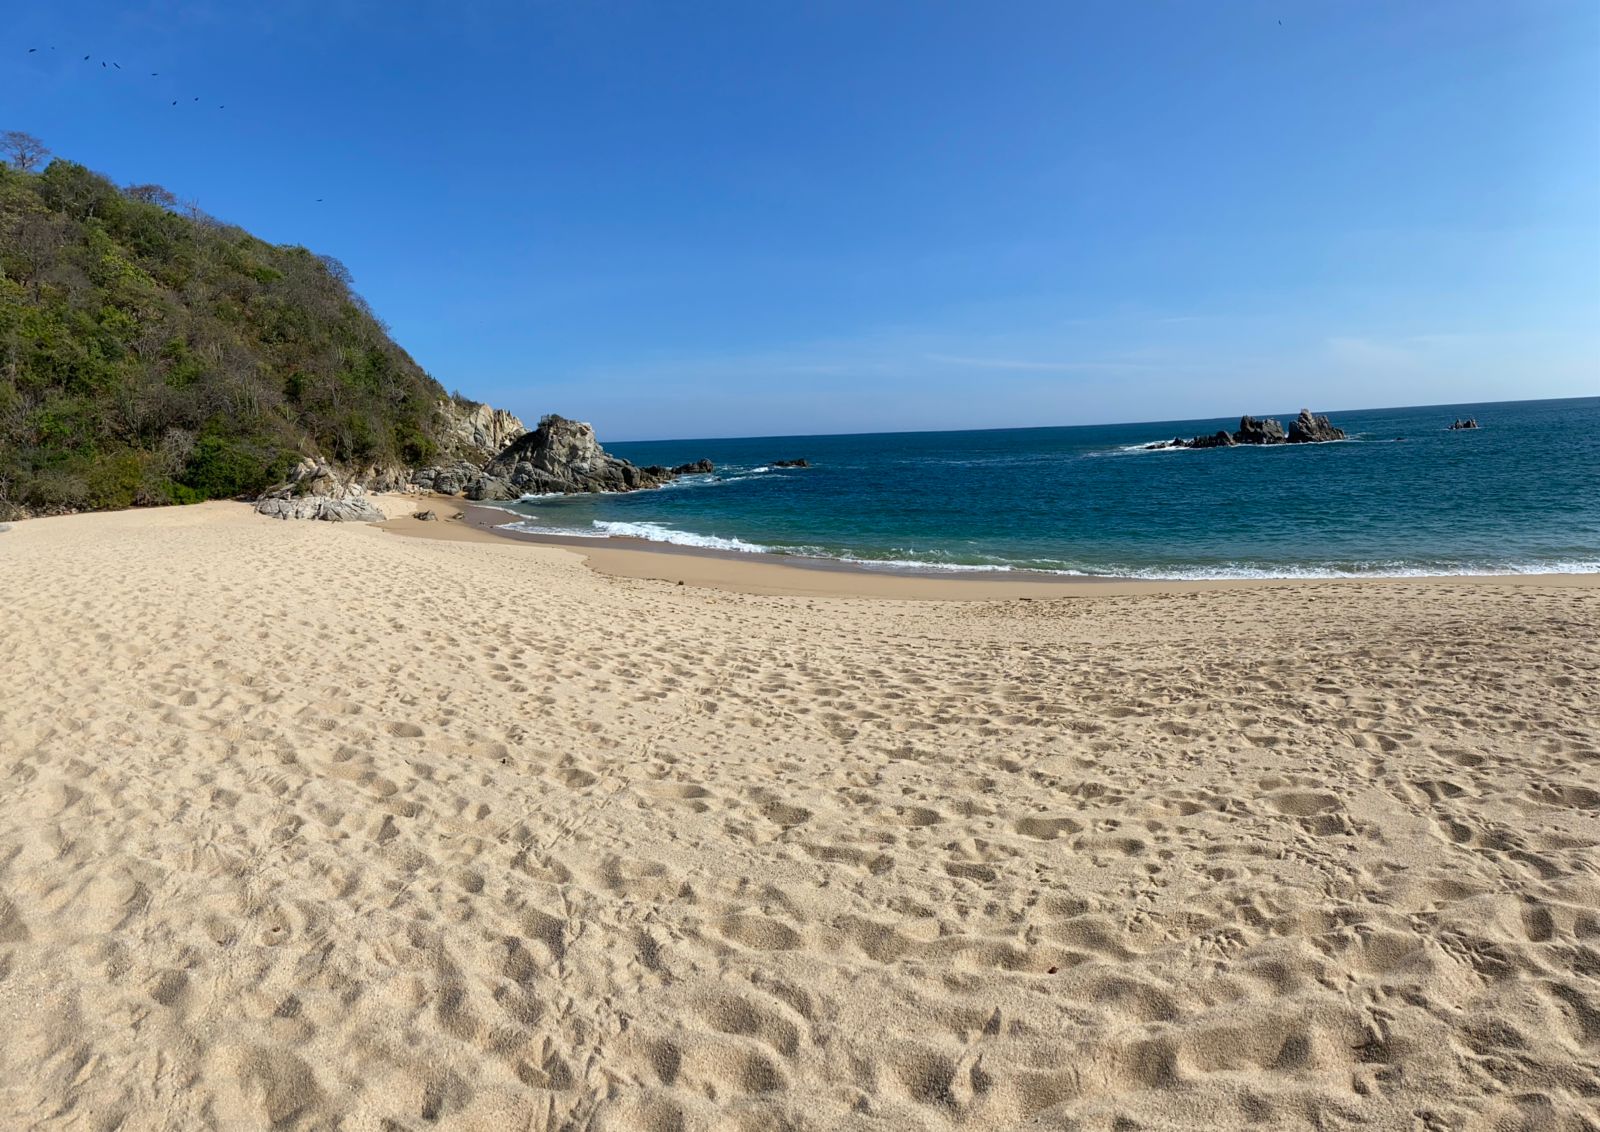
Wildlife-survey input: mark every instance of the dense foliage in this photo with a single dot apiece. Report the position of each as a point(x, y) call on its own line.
point(151, 355)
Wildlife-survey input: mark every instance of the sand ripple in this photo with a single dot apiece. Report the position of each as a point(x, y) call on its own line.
point(311, 827)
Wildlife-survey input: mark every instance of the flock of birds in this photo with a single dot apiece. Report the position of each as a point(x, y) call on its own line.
point(109, 65)
point(106, 64)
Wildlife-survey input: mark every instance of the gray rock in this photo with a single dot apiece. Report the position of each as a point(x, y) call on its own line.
point(4, 527)
point(699, 467)
point(428, 516)
point(317, 490)
point(1459, 425)
point(476, 431)
point(320, 507)
point(564, 456)
point(488, 488)
point(1310, 429)
point(1252, 431)
point(1306, 429)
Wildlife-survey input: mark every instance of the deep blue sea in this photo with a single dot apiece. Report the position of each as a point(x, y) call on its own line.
point(1402, 496)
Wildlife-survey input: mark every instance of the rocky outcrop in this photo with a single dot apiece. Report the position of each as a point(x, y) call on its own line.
point(317, 490)
point(1307, 428)
point(1459, 425)
point(1311, 429)
point(476, 432)
point(1252, 431)
point(563, 456)
point(802, 462)
point(699, 467)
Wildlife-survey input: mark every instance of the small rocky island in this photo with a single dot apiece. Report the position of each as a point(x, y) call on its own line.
point(1307, 428)
point(1459, 425)
point(561, 456)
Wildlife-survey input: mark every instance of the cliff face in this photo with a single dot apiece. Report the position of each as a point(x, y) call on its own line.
point(471, 431)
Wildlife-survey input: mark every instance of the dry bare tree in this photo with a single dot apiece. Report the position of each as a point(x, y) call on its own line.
point(23, 151)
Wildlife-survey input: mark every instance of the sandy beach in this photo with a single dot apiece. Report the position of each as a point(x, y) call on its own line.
point(315, 826)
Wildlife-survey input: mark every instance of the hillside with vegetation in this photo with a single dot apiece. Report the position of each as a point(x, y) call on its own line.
point(150, 354)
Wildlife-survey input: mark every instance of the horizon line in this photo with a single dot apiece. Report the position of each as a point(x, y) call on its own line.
point(1088, 424)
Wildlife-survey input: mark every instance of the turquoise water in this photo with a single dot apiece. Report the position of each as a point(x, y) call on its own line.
point(1520, 494)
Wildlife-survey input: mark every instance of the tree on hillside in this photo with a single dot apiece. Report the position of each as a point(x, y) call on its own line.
point(22, 151)
point(154, 194)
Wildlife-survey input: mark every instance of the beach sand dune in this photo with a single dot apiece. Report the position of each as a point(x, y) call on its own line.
point(310, 826)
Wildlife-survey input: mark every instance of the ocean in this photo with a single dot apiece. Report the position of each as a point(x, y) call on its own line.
point(1401, 496)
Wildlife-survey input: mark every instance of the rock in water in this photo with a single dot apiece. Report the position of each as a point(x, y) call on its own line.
point(699, 467)
point(802, 462)
point(1309, 429)
point(1252, 431)
point(564, 456)
point(1306, 429)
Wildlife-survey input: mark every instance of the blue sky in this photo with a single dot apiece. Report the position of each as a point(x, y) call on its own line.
point(748, 218)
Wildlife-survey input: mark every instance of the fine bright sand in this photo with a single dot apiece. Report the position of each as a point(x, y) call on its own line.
point(315, 826)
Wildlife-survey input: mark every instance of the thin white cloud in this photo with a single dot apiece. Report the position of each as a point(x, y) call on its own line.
point(1033, 366)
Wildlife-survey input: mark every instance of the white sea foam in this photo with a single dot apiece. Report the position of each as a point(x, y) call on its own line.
point(528, 527)
point(1231, 571)
point(656, 532)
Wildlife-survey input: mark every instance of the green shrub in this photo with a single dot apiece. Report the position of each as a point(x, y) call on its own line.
point(125, 328)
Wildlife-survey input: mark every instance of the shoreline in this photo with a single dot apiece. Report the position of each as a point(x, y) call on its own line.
point(798, 576)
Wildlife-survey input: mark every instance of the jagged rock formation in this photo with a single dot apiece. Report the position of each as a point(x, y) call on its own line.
point(475, 431)
point(802, 462)
point(1312, 429)
point(564, 456)
point(1252, 431)
point(317, 490)
point(1459, 425)
point(1307, 428)
point(560, 456)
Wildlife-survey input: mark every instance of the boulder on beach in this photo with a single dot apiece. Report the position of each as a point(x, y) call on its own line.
point(316, 489)
point(486, 488)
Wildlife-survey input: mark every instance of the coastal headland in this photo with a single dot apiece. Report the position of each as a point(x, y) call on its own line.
point(310, 825)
